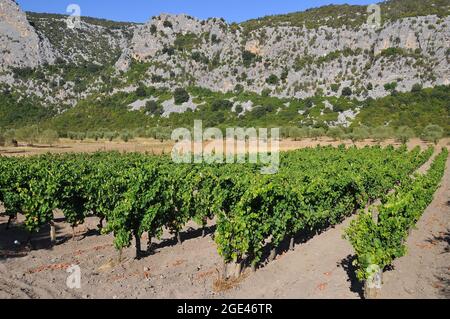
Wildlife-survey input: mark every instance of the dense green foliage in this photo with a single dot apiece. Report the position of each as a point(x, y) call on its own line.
point(138, 193)
point(414, 109)
point(17, 113)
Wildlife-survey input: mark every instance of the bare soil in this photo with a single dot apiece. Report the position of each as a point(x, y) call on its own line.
point(318, 267)
point(153, 146)
point(90, 146)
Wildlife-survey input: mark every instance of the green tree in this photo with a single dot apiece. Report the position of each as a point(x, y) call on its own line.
point(10, 136)
point(28, 134)
point(381, 133)
point(81, 136)
point(298, 133)
point(358, 134)
point(48, 137)
point(432, 133)
point(336, 133)
point(315, 133)
point(217, 105)
point(404, 134)
point(109, 136)
point(126, 136)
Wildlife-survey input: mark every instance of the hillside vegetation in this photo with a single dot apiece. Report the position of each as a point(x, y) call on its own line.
point(351, 15)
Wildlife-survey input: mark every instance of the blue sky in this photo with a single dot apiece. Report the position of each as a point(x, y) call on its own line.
point(143, 10)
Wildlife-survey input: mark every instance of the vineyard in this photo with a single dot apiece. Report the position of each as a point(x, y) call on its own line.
point(315, 188)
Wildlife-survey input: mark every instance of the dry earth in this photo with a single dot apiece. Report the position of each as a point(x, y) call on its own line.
point(157, 147)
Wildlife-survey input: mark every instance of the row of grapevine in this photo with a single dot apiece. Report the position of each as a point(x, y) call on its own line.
point(313, 191)
point(378, 241)
point(138, 193)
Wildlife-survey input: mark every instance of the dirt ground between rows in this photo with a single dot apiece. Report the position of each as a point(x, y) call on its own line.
point(318, 268)
point(153, 146)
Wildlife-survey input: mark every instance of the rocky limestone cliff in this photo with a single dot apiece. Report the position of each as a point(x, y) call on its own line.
point(20, 44)
point(284, 59)
point(92, 41)
point(301, 61)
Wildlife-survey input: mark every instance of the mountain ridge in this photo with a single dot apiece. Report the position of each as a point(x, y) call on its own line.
point(270, 58)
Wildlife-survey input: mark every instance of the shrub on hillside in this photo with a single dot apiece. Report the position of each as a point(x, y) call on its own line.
point(248, 58)
point(416, 87)
point(180, 96)
point(335, 87)
point(217, 105)
point(390, 86)
point(238, 88)
point(141, 91)
point(238, 109)
point(272, 79)
point(346, 91)
point(266, 92)
point(167, 24)
point(152, 107)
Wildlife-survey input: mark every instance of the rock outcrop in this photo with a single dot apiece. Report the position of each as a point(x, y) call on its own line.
point(20, 44)
point(282, 59)
point(210, 54)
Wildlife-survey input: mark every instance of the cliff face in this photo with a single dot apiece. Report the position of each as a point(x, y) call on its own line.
point(294, 60)
point(20, 44)
point(93, 41)
point(289, 58)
